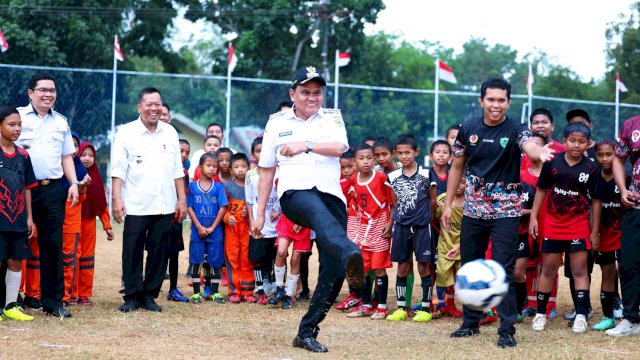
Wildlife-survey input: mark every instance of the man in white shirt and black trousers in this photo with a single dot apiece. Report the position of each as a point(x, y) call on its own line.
point(305, 143)
point(147, 174)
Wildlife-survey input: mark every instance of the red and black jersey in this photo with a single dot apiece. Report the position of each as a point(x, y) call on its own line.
point(441, 182)
point(611, 215)
point(568, 198)
point(16, 175)
point(529, 182)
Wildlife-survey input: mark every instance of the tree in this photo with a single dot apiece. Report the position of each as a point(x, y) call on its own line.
point(623, 42)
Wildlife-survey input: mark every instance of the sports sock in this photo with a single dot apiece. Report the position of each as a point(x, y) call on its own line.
point(12, 286)
point(304, 271)
point(280, 271)
point(582, 302)
point(257, 274)
point(606, 298)
point(572, 287)
point(441, 292)
point(401, 290)
point(215, 280)
point(543, 299)
point(521, 296)
point(383, 289)
point(292, 283)
point(366, 291)
point(426, 292)
point(207, 275)
point(173, 271)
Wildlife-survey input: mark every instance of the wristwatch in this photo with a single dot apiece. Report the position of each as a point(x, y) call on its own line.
point(309, 147)
point(75, 182)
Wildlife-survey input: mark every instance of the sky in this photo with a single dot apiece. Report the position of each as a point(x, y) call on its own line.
point(571, 32)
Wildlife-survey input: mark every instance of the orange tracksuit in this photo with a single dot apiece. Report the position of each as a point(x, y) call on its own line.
point(30, 283)
point(87, 252)
point(236, 243)
point(70, 239)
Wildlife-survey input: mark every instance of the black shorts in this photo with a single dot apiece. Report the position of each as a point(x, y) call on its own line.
point(416, 239)
point(607, 257)
point(550, 246)
point(14, 245)
point(524, 250)
point(262, 250)
point(176, 243)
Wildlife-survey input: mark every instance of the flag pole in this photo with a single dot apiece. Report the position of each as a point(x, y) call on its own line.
point(227, 124)
point(113, 121)
point(615, 135)
point(435, 111)
point(337, 77)
point(530, 92)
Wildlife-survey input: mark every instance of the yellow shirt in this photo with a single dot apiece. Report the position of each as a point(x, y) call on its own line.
point(448, 240)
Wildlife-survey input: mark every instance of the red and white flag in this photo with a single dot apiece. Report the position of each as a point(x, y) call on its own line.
point(233, 59)
point(445, 73)
point(620, 85)
point(117, 53)
point(4, 45)
point(343, 59)
point(530, 81)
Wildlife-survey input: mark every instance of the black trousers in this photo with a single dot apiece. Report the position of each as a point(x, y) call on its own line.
point(327, 216)
point(151, 233)
point(47, 203)
point(474, 240)
point(630, 265)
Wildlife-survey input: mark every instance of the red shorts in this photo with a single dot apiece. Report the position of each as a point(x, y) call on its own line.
point(376, 260)
point(301, 245)
point(301, 240)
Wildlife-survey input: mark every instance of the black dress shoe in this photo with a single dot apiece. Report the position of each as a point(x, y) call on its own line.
point(32, 302)
point(465, 331)
point(354, 270)
point(59, 311)
point(130, 305)
point(287, 302)
point(150, 305)
point(310, 344)
point(507, 341)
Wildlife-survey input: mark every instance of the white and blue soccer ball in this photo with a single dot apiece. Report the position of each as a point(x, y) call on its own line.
point(481, 284)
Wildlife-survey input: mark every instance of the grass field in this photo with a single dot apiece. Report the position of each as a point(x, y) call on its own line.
point(249, 331)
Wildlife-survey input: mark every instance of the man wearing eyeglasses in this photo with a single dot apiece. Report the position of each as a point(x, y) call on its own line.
point(47, 138)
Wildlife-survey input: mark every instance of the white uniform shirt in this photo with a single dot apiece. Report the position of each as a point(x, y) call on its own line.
point(195, 161)
point(47, 140)
point(251, 198)
point(304, 171)
point(148, 163)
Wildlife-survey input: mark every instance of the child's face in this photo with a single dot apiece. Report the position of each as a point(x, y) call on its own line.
point(605, 155)
point(256, 151)
point(209, 168)
point(87, 157)
point(576, 144)
point(364, 160)
point(185, 150)
point(11, 127)
point(239, 169)
point(406, 154)
point(460, 189)
point(223, 162)
point(383, 156)
point(211, 145)
point(451, 136)
point(440, 155)
point(347, 167)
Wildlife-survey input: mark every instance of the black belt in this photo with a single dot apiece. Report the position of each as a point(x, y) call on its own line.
point(46, 182)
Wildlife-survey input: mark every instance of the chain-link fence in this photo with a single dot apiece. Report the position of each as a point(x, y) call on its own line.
point(84, 96)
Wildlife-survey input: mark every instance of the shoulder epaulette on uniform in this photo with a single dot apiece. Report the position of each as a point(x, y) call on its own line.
point(275, 115)
point(58, 114)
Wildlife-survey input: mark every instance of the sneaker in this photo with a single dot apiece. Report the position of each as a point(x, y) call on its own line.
point(379, 314)
point(422, 316)
point(235, 299)
point(310, 344)
point(17, 313)
point(507, 341)
point(452, 311)
point(465, 332)
point(218, 298)
point(398, 315)
point(72, 301)
point(604, 324)
point(84, 301)
point(488, 317)
point(262, 299)
point(195, 299)
point(287, 302)
point(361, 311)
point(625, 328)
point(176, 295)
point(552, 314)
point(130, 305)
point(579, 324)
point(570, 316)
point(250, 299)
point(529, 312)
point(349, 302)
point(303, 296)
point(32, 302)
point(277, 297)
point(589, 317)
point(149, 304)
point(539, 322)
point(206, 293)
point(438, 311)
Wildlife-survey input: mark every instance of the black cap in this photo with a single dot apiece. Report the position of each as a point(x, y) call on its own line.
point(578, 112)
point(306, 74)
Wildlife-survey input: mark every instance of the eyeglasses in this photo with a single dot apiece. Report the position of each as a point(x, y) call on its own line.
point(51, 91)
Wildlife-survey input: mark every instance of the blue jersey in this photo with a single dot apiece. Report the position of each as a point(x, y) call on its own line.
point(206, 204)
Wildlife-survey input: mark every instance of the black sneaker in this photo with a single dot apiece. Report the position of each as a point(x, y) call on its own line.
point(150, 305)
point(287, 302)
point(354, 270)
point(59, 311)
point(465, 331)
point(304, 296)
point(310, 344)
point(507, 341)
point(130, 305)
point(32, 302)
point(277, 297)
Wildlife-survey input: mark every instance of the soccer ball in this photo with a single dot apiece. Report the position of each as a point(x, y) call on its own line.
point(481, 284)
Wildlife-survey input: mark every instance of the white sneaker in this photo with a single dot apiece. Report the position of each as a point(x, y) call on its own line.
point(625, 328)
point(579, 324)
point(539, 322)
